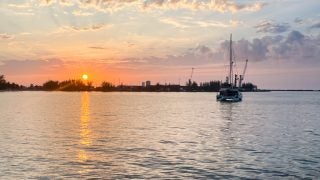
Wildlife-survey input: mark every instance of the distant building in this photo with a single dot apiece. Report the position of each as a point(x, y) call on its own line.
point(143, 84)
point(148, 83)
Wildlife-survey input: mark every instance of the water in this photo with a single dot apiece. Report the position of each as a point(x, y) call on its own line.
point(55, 135)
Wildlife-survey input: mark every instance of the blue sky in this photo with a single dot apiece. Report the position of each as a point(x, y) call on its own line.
point(160, 40)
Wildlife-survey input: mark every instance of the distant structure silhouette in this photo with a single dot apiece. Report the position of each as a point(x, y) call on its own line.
point(80, 85)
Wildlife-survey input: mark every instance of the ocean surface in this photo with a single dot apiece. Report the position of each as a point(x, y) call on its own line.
point(87, 135)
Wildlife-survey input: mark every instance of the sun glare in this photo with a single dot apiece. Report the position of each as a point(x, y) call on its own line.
point(85, 76)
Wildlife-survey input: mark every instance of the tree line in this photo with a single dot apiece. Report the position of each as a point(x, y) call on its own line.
point(80, 85)
point(5, 85)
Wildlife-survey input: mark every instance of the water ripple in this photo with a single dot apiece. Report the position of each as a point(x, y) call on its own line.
point(158, 136)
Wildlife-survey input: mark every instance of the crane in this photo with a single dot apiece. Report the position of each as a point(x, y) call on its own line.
point(191, 73)
point(243, 73)
point(190, 82)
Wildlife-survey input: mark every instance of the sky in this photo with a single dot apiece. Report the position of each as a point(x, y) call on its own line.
point(130, 41)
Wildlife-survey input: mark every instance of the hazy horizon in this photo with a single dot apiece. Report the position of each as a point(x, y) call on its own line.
point(134, 40)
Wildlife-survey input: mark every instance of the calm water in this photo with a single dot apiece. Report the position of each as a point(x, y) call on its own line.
point(54, 135)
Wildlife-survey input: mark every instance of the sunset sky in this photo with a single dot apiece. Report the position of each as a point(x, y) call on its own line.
point(160, 40)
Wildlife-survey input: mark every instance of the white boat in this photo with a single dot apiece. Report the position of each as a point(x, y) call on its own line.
point(231, 92)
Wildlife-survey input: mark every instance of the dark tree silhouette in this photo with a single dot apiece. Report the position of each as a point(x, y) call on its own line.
point(212, 86)
point(51, 85)
point(191, 86)
point(106, 86)
point(73, 85)
point(80, 85)
point(2, 82)
point(249, 87)
point(5, 85)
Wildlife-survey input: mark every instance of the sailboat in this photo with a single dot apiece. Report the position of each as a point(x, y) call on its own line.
point(230, 92)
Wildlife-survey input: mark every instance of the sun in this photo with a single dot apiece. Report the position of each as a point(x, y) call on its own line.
point(85, 76)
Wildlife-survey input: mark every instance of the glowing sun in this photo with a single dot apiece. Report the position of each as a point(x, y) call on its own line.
point(85, 76)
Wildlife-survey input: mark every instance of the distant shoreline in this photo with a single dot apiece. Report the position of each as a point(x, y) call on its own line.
point(294, 90)
point(78, 85)
point(262, 90)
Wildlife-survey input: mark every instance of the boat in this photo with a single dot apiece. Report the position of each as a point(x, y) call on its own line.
point(229, 95)
point(229, 91)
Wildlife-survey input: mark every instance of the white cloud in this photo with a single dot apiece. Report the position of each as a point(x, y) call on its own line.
point(173, 22)
point(295, 47)
point(21, 9)
point(235, 23)
point(315, 25)
point(94, 27)
point(211, 24)
point(20, 6)
point(271, 27)
point(81, 13)
point(212, 5)
point(191, 23)
point(298, 20)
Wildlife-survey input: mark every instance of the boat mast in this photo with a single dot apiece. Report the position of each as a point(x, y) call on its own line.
point(230, 69)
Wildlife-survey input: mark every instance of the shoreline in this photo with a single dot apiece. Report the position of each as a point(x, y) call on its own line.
point(263, 90)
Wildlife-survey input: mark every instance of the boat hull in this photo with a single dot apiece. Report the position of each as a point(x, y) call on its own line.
point(229, 99)
point(229, 95)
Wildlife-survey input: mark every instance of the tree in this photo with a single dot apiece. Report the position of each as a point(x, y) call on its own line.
point(51, 85)
point(72, 85)
point(5, 85)
point(249, 87)
point(2, 82)
point(191, 85)
point(210, 86)
point(106, 86)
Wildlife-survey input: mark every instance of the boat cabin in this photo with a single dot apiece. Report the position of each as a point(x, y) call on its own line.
point(229, 95)
point(229, 92)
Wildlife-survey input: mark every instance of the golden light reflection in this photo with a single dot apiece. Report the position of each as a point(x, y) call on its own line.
point(82, 155)
point(85, 132)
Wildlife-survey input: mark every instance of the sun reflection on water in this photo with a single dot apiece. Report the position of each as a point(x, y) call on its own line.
point(82, 155)
point(85, 131)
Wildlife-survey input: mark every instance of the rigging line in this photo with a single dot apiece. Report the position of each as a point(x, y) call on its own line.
point(225, 57)
point(235, 62)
